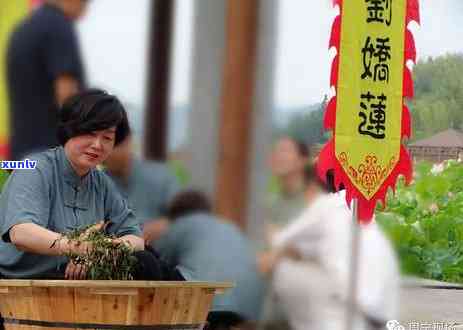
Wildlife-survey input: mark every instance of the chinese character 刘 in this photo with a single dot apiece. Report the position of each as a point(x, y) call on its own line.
point(379, 11)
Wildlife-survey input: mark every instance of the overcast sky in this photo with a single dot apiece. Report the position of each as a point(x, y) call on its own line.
point(114, 34)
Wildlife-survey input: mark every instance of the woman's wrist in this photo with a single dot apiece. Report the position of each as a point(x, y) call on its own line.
point(63, 245)
point(67, 246)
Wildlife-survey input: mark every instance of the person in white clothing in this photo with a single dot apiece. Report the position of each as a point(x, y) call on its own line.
point(310, 261)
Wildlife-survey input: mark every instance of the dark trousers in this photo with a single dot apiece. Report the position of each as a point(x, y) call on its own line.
point(223, 320)
point(150, 267)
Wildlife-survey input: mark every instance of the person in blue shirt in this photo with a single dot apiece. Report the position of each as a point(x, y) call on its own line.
point(207, 248)
point(65, 192)
point(148, 186)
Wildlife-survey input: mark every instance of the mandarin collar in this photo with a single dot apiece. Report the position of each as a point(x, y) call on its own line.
point(70, 175)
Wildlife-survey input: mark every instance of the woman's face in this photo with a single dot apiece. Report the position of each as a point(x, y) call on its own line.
point(89, 150)
point(285, 158)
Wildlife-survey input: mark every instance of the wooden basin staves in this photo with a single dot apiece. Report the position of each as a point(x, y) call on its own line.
point(130, 305)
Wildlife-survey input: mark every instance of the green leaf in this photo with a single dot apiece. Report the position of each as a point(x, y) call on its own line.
point(424, 221)
point(3, 177)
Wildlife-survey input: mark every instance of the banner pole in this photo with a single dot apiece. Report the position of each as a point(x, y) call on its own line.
point(351, 306)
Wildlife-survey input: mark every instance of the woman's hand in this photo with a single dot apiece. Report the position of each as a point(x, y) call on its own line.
point(96, 227)
point(75, 271)
point(81, 246)
point(67, 246)
point(271, 231)
point(266, 261)
point(135, 242)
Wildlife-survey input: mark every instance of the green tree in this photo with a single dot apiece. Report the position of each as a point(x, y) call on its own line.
point(438, 101)
point(307, 126)
point(437, 105)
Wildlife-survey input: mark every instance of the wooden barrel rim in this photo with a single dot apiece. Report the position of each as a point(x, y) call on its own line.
point(68, 325)
point(114, 284)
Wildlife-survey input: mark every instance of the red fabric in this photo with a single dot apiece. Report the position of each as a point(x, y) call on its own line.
point(337, 3)
point(408, 90)
point(413, 11)
point(4, 150)
point(334, 72)
point(410, 48)
point(335, 37)
point(329, 120)
point(406, 123)
point(34, 3)
point(366, 208)
point(325, 160)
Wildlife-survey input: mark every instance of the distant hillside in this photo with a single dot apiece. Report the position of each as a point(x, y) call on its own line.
point(305, 125)
point(438, 101)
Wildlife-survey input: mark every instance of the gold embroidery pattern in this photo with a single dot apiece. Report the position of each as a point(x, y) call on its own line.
point(369, 175)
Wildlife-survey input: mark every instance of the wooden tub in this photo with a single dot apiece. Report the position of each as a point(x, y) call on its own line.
point(39, 304)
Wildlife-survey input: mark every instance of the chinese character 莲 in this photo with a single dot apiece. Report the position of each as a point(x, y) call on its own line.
point(373, 115)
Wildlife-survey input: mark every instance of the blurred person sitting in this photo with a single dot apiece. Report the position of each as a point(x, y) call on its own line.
point(205, 247)
point(287, 163)
point(149, 186)
point(44, 68)
point(310, 262)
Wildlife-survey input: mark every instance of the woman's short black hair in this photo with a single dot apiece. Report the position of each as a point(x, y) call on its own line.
point(187, 202)
point(89, 111)
point(302, 148)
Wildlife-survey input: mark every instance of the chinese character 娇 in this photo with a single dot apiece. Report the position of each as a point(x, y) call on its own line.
point(378, 54)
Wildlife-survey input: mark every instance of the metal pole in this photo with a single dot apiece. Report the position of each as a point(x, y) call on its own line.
point(351, 307)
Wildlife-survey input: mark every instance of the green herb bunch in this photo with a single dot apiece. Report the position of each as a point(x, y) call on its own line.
point(107, 259)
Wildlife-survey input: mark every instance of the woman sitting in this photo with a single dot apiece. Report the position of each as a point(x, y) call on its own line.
point(65, 192)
